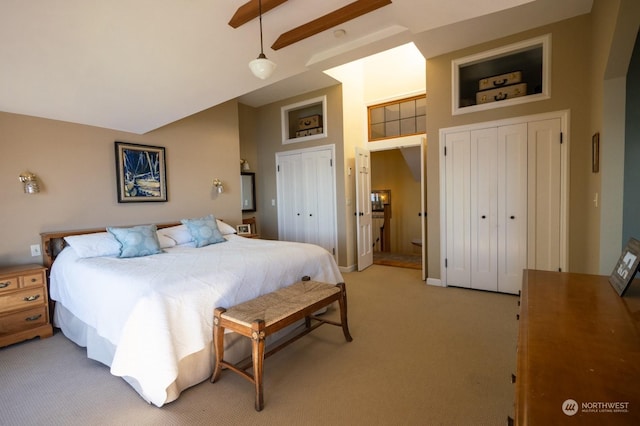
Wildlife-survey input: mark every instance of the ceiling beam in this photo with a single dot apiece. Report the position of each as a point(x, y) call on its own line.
point(337, 17)
point(249, 11)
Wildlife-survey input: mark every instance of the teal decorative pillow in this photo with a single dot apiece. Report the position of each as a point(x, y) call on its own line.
point(204, 230)
point(137, 241)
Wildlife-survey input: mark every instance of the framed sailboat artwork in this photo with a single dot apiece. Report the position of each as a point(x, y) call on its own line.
point(141, 173)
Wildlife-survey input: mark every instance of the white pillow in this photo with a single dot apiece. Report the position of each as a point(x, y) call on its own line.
point(180, 234)
point(165, 242)
point(94, 245)
point(225, 228)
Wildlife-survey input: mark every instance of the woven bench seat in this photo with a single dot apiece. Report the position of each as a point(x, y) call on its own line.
point(260, 317)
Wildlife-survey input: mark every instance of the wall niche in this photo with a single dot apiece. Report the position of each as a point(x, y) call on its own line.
point(303, 121)
point(510, 75)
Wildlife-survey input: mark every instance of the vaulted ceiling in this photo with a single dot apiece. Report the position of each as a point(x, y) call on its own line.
point(138, 65)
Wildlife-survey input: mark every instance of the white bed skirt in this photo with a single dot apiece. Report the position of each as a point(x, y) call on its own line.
point(193, 369)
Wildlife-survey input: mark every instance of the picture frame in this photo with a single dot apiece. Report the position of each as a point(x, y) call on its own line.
point(595, 153)
point(379, 198)
point(244, 229)
point(140, 173)
point(626, 267)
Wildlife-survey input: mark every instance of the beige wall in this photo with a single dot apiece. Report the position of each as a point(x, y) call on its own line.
point(77, 168)
point(249, 149)
point(570, 83)
point(615, 26)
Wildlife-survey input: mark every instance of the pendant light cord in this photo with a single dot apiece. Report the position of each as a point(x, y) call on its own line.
point(260, 17)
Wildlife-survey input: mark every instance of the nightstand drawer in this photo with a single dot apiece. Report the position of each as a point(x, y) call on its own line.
point(22, 299)
point(8, 284)
point(33, 279)
point(22, 320)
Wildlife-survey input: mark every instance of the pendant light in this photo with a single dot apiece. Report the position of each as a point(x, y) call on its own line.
point(261, 67)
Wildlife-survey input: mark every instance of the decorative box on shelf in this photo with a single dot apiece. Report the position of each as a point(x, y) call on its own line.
point(501, 93)
point(500, 80)
point(311, 122)
point(309, 132)
point(24, 304)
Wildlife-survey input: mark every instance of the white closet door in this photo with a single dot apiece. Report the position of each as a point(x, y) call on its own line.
point(484, 209)
point(512, 174)
point(457, 209)
point(319, 211)
point(545, 193)
point(290, 201)
point(306, 197)
point(512, 206)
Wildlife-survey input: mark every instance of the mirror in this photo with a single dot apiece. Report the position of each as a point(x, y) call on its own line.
point(248, 189)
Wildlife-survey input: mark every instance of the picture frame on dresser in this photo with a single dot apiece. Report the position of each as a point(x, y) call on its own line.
point(243, 229)
point(626, 267)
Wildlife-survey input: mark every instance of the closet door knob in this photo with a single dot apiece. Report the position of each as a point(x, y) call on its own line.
point(513, 217)
point(484, 217)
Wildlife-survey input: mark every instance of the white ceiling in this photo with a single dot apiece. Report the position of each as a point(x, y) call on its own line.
point(136, 65)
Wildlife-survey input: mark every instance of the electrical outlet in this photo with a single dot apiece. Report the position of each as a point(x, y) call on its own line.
point(35, 250)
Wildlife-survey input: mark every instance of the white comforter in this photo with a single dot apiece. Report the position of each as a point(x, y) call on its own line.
point(158, 309)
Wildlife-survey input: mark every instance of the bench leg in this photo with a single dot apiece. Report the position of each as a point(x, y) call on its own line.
point(257, 354)
point(218, 344)
point(343, 312)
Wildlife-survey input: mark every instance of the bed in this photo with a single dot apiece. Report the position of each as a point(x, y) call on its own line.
point(150, 317)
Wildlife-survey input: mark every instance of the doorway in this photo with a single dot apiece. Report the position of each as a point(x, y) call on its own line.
point(413, 150)
point(395, 195)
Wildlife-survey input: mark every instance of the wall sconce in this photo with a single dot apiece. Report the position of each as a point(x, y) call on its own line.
point(217, 183)
point(30, 182)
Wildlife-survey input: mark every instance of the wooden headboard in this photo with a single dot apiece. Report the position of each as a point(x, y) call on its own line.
point(53, 242)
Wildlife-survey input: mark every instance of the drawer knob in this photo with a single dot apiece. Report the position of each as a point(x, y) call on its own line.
point(33, 280)
point(31, 298)
point(33, 318)
point(5, 284)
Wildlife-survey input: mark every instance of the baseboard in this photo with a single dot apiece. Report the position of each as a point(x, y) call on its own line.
point(435, 281)
point(345, 269)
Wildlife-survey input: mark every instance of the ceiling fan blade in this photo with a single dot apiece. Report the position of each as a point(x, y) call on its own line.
point(249, 11)
point(337, 17)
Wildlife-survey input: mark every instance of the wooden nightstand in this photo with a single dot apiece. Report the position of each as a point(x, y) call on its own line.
point(24, 304)
point(250, 235)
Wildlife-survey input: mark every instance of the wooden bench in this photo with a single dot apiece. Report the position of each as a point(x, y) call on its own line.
point(264, 315)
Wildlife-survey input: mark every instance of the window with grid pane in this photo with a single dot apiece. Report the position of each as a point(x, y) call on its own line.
point(403, 117)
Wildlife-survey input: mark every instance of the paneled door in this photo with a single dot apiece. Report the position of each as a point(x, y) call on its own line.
point(503, 196)
point(363, 208)
point(546, 174)
point(306, 197)
point(512, 206)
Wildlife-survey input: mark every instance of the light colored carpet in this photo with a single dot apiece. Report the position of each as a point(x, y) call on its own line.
point(421, 355)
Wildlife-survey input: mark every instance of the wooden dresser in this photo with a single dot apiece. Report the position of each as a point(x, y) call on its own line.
point(578, 351)
point(24, 304)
